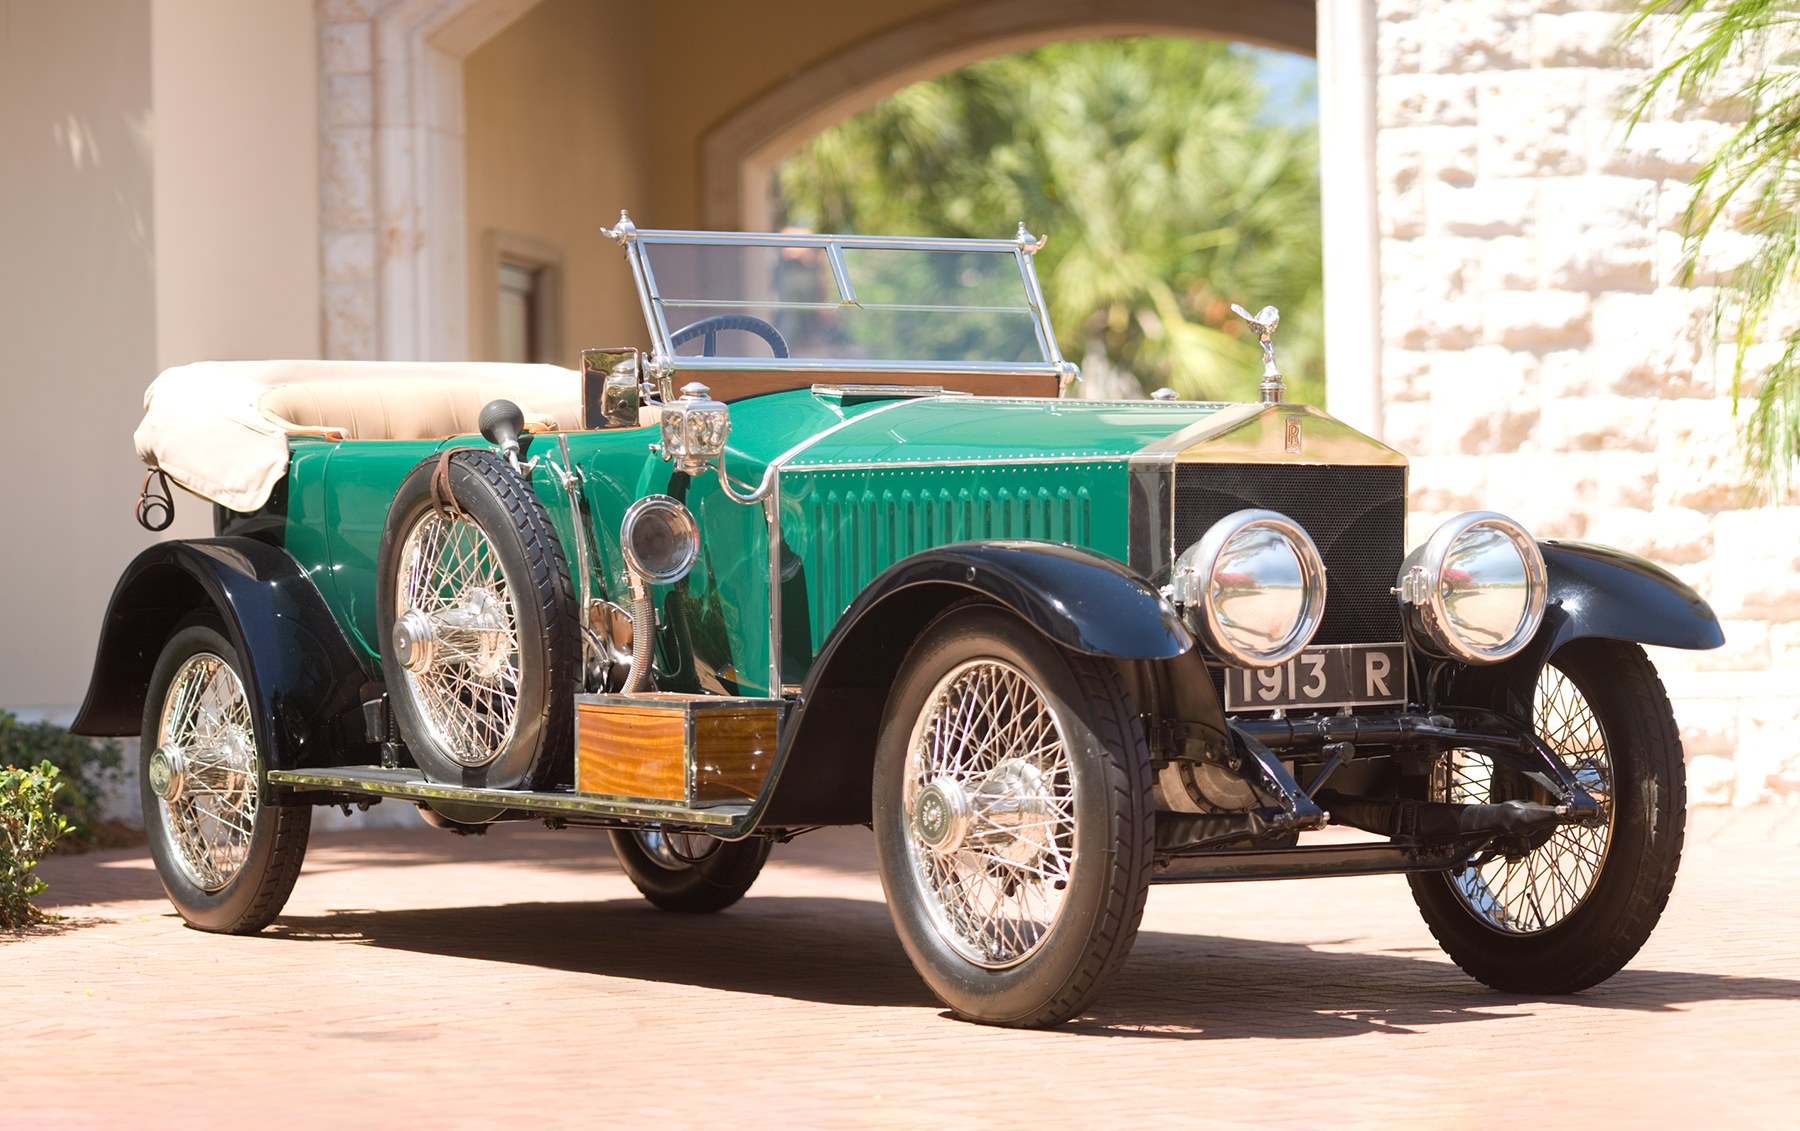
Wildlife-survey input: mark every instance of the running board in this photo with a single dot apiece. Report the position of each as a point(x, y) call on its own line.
point(1305, 863)
point(409, 785)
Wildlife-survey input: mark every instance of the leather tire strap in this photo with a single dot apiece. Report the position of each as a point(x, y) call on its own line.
point(443, 499)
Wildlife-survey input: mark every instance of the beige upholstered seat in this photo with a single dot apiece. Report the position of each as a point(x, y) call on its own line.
point(401, 408)
point(221, 428)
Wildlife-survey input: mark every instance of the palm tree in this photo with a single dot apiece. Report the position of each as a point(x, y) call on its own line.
point(1152, 166)
point(1750, 186)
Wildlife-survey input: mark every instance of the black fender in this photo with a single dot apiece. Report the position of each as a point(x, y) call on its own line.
point(1596, 591)
point(304, 683)
point(1600, 591)
point(1078, 599)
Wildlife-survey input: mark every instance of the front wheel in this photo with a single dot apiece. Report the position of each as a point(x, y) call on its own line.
point(227, 859)
point(1012, 819)
point(1570, 912)
point(689, 872)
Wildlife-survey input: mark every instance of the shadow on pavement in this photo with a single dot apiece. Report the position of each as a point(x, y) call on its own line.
point(844, 951)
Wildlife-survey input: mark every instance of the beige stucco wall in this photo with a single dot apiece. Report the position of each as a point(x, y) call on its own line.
point(236, 188)
point(77, 326)
point(557, 142)
point(158, 204)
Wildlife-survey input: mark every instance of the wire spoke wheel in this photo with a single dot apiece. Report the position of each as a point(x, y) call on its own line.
point(453, 583)
point(1535, 891)
point(688, 871)
point(475, 611)
point(990, 809)
point(227, 855)
point(209, 808)
point(1013, 818)
point(1566, 911)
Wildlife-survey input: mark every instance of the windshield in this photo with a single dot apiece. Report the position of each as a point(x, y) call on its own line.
point(805, 301)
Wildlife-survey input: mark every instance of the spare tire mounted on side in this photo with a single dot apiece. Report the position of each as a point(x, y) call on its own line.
point(476, 614)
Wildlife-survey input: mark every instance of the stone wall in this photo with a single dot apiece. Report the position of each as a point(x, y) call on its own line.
point(1540, 359)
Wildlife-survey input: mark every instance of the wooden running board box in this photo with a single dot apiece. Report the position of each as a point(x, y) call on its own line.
point(693, 750)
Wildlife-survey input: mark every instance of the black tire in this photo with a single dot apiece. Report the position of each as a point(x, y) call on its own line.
point(507, 728)
point(218, 878)
point(1059, 825)
point(689, 873)
point(1577, 926)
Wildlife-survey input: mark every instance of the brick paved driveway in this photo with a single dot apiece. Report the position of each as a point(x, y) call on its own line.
point(420, 979)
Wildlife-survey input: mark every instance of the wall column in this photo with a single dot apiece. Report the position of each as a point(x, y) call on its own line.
point(1349, 222)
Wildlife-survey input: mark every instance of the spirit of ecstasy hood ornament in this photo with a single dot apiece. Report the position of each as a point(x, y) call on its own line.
point(1264, 322)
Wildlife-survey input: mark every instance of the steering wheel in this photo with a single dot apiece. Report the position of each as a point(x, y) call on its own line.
point(711, 327)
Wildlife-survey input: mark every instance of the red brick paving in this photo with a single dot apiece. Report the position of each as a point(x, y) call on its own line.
point(419, 979)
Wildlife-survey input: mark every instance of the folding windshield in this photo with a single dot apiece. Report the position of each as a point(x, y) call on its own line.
point(786, 302)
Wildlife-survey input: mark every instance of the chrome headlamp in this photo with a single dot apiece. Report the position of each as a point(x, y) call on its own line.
point(1253, 587)
point(694, 427)
point(1475, 591)
point(659, 539)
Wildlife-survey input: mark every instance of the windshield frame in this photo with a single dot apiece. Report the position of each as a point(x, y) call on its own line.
point(639, 244)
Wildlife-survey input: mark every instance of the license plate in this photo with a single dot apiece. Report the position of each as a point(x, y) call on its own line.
point(1330, 675)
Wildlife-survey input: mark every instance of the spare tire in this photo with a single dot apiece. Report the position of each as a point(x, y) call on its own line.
point(480, 645)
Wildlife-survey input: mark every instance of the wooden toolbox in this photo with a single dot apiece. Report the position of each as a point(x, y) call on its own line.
point(692, 750)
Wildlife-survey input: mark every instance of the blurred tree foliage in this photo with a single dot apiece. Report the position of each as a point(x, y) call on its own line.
point(1749, 187)
point(1167, 187)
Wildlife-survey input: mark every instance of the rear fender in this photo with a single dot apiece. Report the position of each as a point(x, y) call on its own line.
point(304, 683)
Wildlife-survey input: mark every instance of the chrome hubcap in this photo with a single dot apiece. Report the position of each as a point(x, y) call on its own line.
point(167, 773)
point(989, 807)
point(205, 771)
point(941, 816)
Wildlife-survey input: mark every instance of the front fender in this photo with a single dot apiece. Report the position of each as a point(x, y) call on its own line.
point(304, 683)
point(1079, 599)
point(1604, 592)
point(1595, 591)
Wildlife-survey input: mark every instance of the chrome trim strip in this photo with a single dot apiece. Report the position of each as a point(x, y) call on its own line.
point(690, 362)
point(825, 239)
point(407, 784)
point(772, 519)
point(834, 254)
point(982, 461)
point(772, 523)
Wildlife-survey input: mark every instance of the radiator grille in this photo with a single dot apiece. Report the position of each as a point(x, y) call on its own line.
point(1355, 515)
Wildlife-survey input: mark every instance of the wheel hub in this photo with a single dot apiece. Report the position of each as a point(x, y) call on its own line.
point(415, 640)
point(167, 772)
point(941, 815)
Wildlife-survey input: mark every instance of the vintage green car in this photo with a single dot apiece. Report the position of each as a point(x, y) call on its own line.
point(837, 550)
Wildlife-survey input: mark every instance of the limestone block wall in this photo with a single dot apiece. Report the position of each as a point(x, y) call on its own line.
point(1540, 359)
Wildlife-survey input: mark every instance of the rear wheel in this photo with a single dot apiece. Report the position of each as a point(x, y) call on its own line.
point(689, 872)
point(1571, 911)
point(227, 859)
point(1012, 819)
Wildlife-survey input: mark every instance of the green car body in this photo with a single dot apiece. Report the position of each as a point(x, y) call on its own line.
point(1051, 650)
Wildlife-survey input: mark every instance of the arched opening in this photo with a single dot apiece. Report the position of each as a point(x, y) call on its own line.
point(739, 155)
point(1173, 176)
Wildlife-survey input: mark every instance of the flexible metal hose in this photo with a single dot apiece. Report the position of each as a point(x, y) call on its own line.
point(643, 641)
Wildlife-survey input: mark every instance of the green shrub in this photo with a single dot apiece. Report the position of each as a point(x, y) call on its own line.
point(29, 825)
point(88, 767)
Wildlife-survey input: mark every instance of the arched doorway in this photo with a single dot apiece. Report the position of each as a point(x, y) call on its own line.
point(738, 155)
point(394, 239)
